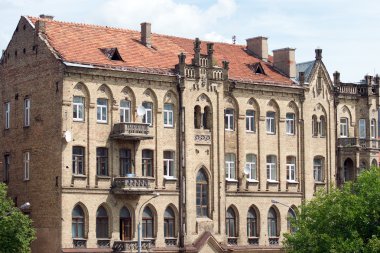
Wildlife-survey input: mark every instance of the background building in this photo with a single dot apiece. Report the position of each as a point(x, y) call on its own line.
point(96, 120)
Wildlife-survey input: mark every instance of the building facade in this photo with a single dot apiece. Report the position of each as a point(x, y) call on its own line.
point(210, 146)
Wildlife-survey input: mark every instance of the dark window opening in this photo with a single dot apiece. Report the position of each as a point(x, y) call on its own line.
point(112, 53)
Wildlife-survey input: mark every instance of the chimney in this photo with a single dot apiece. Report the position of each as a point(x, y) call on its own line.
point(40, 26)
point(368, 79)
point(210, 53)
point(47, 16)
point(259, 47)
point(301, 77)
point(284, 60)
point(318, 54)
point(197, 52)
point(146, 34)
point(377, 79)
point(336, 77)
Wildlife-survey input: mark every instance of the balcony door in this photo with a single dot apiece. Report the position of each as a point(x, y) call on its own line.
point(125, 225)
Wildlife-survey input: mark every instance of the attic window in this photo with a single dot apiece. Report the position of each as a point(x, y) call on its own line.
point(258, 69)
point(112, 53)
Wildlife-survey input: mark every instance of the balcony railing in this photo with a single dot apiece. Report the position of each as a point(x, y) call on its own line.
point(104, 243)
point(132, 185)
point(232, 240)
point(79, 243)
point(131, 246)
point(273, 240)
point(253, 241)
point(131, 131)
point(360, 143)
point(171, 241)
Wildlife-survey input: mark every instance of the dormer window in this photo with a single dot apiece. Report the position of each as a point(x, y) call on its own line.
point(111, 53)
point(258, 69)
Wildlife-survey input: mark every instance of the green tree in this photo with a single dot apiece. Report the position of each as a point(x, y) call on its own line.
point(16, 231)
point(343, 220)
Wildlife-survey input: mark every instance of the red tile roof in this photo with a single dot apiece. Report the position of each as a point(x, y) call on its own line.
point(81, 44)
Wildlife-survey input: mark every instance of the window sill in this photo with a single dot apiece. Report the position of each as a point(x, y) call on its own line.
point(319, 182)
point(168, 126)
point(250, 132)
point(26, 127)
point(292, 182)
point(229, 130)
point(103, 177)
point(231, 180)
point(26, 179)
point(79, 176)
point(270, 133)
point(102, 122)
point(79, 120)
point(252, 181)
point(168, 178)
point(289, 134)
point(272, 181)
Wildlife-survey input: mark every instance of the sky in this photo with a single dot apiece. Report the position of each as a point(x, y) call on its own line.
point(346, 30)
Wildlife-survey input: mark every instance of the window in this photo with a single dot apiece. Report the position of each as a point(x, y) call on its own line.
point(148, 117)
point(101, 223)
point(125, 162)
point(229, 119)
point(207, 118)
point(343, 127)
point(125, 111)
point(169, 223)
point(125, 225)
point(169, 167)
point(291, 168)
point(7, 164)
point(373, 128)
point(252, 230)
point(362, 132)
point(147, 163)
point(315, 125)
point(290, 218)
point(318, 169)
point(78, 160)
point(168, 115)
point(7, 115)
point(271, 168)
point(230, 223)
point(250, 165)
point(322, 126)
point(26, 165)
point(270, 122)
point(202, 194)
point(197, 117)
point(272, 223)
point(290, 124)
point(78, 108)
point(27, 112)
point(147, 223)
point(101, 113)
point(102, 161)
point(230, 166)
point(250, 121)
point(78, 222)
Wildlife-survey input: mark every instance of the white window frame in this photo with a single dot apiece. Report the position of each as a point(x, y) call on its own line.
point(362, 129)
point(148, 117)
point(291, 169)
point(318, 169)
point(101, 110)
point(125, 111)
point(251, 165)
point(343, 127)
point(168, 115)
point(272, 168)
point(373, 129)
point(7, 109)
point(271, 122)
point(230, 159)
point(26, 166)
point(290, 123)
point(169, 163)
point(250, 121)
point(27, 112)
point(79, 108)
point(229, 118)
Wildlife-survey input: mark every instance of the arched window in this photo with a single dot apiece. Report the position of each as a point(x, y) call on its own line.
point(231, 223)
point(272, 223)
point(101, 223)
point(197, 117)
point(169, 223)
point(202, 194)
point(78, 222)
point(315, 125)
point(125, 225)
point(373, 128)
point(207, 118)
point(374, 163)
point(322, 126)
point(147, 223)
point(291, 217)
point(252, 230)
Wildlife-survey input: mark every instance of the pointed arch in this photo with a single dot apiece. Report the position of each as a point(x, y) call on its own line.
point(126, 219)
point(202, 193)
point(79, 221)
point(171, 97)
point(105, 91)
point(274, 224)
point(231, 102)
point(345, 111)
point(102, 222)
point(273, 103)
point(252, 102)
point(150, 95)
point(149, 221)
point(232, 221)
point(253, 221)
point(293, 106)
point(81, 89)
point(170, 221)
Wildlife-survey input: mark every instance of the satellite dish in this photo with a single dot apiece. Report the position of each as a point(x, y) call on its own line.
point(68, 136)
point(141, 110)
point(246, 171)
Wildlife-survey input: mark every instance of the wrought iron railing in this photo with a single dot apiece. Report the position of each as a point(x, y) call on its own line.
point(232, 240)
point(253, 241)
point(121, 246)
point(171, 241)
point(136, 184)
point(104, 243)
point(357, 142)
point(79, 243)
point(130, 130)
point(273, 240)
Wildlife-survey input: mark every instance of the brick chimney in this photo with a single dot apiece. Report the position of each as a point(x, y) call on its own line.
point(336, 77)
point(284, 60)
point(146, 34)
point(258, 46)
point(47, 16)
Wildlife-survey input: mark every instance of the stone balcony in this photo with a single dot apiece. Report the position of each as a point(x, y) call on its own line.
point(131, 246)
point(131, 131)
point(353, 142)
point(132, 185)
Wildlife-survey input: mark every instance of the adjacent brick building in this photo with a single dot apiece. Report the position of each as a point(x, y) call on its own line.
point(96, 121)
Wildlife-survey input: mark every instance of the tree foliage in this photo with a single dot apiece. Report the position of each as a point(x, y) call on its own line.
point(16, 231)
point(343, 220)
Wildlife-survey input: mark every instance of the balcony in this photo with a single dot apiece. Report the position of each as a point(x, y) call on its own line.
point(131, 131)
point(273, 241)
point(232, 241)
point(131, 246)
point(171, 242)
point(132, 185)
point(358, 143)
